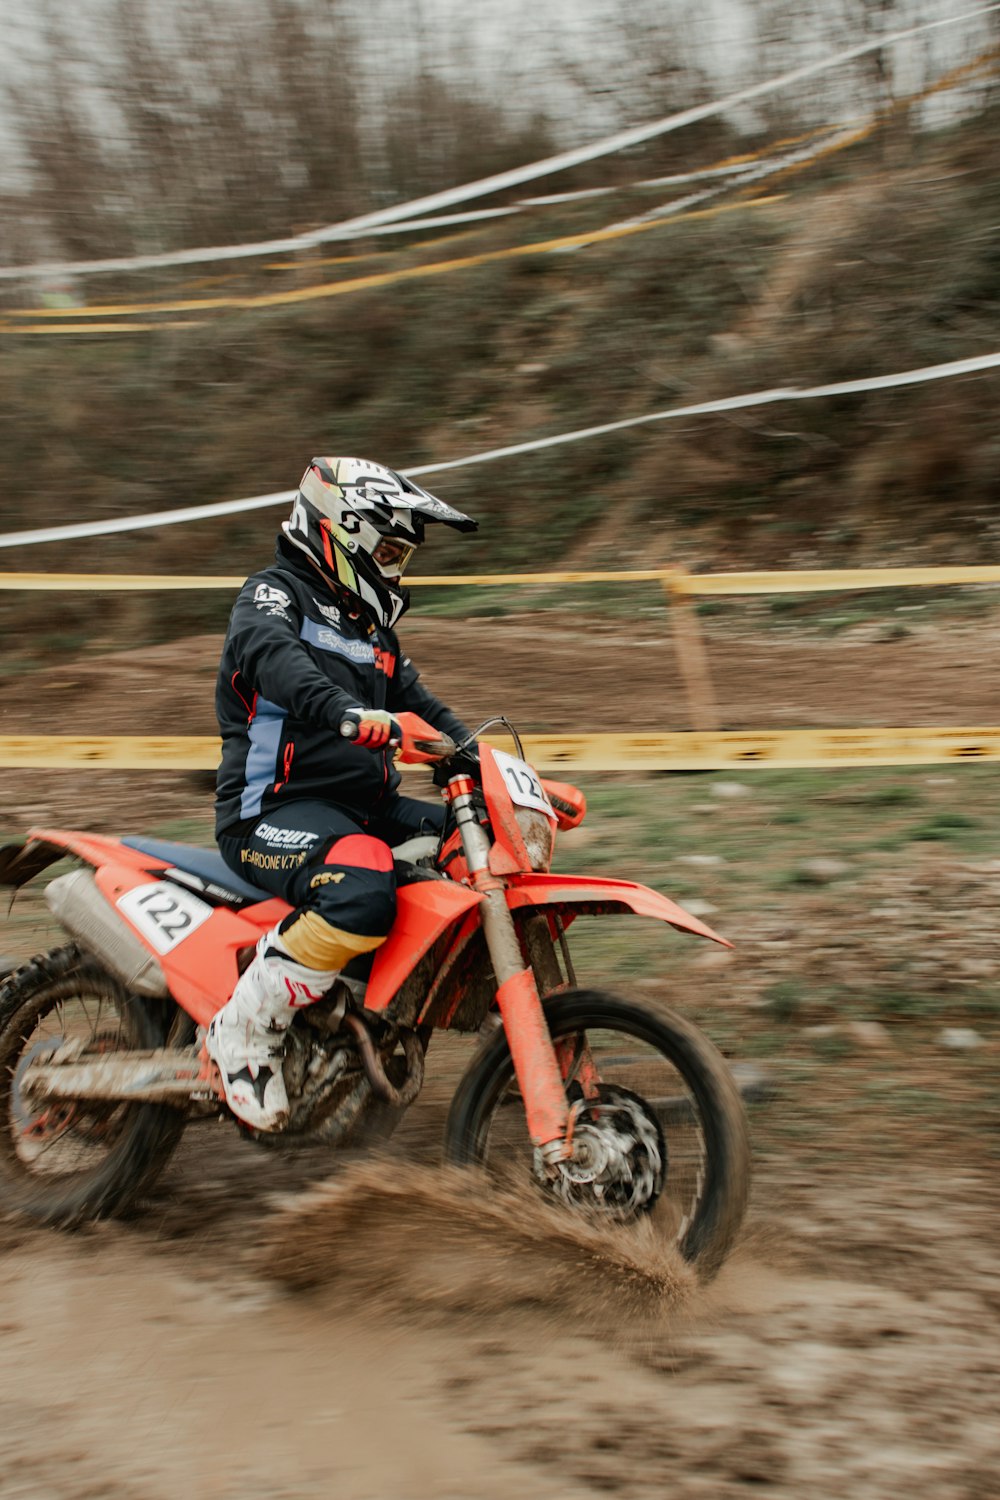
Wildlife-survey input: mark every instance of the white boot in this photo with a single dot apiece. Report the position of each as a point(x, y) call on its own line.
point(246, 1037)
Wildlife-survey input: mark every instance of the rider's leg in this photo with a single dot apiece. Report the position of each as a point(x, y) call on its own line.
point(342, 883)
point(397, 818)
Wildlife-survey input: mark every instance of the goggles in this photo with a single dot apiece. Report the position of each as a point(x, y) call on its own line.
point(392, 555)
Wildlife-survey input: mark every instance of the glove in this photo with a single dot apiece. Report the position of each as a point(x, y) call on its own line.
point(373, 728)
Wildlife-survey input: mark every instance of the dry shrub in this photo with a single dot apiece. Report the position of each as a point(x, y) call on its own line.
point(215, 122)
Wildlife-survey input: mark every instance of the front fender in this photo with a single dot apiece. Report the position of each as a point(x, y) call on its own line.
point(586, 893)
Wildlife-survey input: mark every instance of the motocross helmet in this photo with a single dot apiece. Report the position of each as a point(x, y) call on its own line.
point(359, 524)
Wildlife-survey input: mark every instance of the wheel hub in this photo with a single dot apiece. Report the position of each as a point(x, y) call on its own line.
point(619, 1160)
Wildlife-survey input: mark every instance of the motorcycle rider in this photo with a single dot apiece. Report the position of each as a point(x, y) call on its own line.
point(301, 810)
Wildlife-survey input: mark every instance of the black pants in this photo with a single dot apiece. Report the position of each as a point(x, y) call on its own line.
point(335, 868)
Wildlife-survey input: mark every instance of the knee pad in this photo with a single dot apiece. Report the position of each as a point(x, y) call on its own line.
point(316, 943)
point(350, 905)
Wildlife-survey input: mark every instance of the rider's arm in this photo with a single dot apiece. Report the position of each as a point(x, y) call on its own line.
point(264, 634)
point(408, 694)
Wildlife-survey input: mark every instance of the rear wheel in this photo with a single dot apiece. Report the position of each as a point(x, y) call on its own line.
point(61, 1161)
point(658, 1122)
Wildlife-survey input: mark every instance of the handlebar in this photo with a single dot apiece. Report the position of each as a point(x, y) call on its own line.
point(420, 742)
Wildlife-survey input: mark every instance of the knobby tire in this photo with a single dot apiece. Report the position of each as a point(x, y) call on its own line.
point(723, 1197)
point(146, 1133)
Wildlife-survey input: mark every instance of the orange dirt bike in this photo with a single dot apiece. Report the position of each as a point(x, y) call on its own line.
point(611, 1107)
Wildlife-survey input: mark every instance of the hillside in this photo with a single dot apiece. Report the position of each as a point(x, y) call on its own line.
point(875, 261)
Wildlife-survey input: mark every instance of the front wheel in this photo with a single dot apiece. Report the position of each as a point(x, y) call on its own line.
point(658, 1122)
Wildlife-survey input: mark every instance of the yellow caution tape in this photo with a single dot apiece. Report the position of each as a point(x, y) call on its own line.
point(82, 312)
point(829, 580)
point(683, 750)
point(362, 283)
point(816, 581)
point(985, 61)
point(120, 582)
point(688, 750)
point(115, 583)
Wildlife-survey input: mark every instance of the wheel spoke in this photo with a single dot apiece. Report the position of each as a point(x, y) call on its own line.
point(60, 1159)
point(660, 1130)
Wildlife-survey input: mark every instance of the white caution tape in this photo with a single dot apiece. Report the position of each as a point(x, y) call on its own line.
point(729, 403)
point(441, 221)
point(483, 187)
point(976, 365)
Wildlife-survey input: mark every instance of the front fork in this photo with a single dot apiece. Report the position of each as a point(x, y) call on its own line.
point(536, 1065)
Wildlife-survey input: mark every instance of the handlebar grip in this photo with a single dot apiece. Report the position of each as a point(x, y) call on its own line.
point(349, 729)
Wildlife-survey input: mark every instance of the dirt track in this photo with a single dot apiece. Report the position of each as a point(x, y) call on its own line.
point(850, 1347)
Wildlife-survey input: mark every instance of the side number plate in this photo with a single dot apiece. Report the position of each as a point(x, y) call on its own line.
point(163, 913)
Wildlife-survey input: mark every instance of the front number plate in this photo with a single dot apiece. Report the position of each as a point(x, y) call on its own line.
point(522, 783)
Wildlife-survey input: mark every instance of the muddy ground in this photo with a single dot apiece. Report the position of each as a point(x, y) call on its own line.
point(850, 1346)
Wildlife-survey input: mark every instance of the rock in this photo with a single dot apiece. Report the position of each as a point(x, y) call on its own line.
point(977, 968)
point(755, 1083)
point(869, 1033)
point(713, 958)
point(699, 908)
point(729, 789)
point(700, 861)
point(892, 630)
point(829, 1028)
point(960, 1038)
point(823, 869)
point(576, 838)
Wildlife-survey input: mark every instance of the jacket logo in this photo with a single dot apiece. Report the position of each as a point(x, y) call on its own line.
point(329, 612)
point(328, 639)
point(266, 594)
point(385, 662)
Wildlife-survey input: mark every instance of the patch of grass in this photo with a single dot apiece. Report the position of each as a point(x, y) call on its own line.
point(831, 1048)
point(892, 796)
point(904, 1004)
point(917, 1101)
point(787, 816)
point(784, 1000)
point(834, 624)
point(943, 827)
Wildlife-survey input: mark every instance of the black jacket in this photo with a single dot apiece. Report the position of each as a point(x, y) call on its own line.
point(294, 660)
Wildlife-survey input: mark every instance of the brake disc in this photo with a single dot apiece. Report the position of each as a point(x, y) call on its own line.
point(619, 1160)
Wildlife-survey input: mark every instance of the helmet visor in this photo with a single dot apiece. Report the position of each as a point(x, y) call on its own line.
point(392, 556)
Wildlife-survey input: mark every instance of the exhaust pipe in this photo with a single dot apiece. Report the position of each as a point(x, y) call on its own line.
point(77, 904)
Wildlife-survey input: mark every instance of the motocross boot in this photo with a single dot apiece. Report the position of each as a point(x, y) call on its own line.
point(246, 1037)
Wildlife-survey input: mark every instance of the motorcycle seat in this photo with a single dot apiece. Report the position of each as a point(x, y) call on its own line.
point(207, 864)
